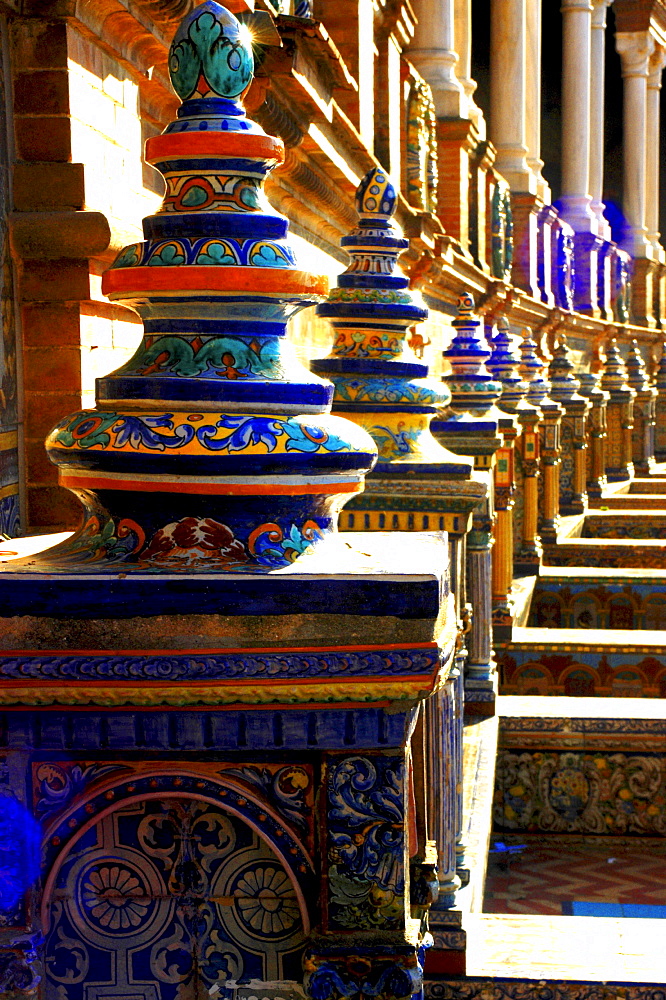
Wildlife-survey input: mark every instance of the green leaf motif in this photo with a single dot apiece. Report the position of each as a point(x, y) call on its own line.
point(224, 59)
point(167, 257)
point(217, 253)
point(184, 68)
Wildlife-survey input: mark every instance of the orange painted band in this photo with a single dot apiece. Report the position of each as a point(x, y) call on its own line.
point(246, 489)
point(407, 679)
point(136, 281)
point(202, 144)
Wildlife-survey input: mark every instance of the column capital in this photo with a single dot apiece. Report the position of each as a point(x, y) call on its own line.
point(599, 8)
point(655, 67)
point(570, 5)
point(635, 49)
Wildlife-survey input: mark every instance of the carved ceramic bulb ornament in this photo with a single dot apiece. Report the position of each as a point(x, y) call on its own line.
point(213, 447)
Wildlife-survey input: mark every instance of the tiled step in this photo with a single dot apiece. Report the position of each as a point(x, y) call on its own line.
point(559, 661)
point(654, 484)
point(618, 552)
point(538, 948)
point(630, 501)
point(626, 524)
point(593, 598)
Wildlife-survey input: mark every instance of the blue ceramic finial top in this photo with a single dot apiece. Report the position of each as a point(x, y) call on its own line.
point(375, 196)
point(211, 55)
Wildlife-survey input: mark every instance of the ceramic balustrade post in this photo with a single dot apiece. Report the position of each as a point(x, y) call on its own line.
point(645, 406)
point(596, 433)
point(620, 410)
point(548, 446)
point(211, 461)
point(480, 668)
point(564, 388)
point(440, 713)
point(470, 427)
point(660, 408)
point(457, 676)
point(505, 365)
point(381, 385)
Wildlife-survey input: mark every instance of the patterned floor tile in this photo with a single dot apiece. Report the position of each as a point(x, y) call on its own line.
point(552, 871)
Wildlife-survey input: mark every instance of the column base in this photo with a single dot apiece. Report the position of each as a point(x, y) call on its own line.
point(377, 968)
point(525, 208)
point(448, 953)
point(642, 292)
point(587, 247)
point(456, 140)
point(596, 487)
point(528, 558)
point(481, 691)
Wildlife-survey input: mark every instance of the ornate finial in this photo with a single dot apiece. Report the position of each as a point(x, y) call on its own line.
point(376, 197)
point(614, 378)
point(373, 279)
point(503, 363)
point(379, 381)
point(531, 368)
point(564, 385)
point(214, 415)
point(638, 377)
point(473, 389)
point(211, 55)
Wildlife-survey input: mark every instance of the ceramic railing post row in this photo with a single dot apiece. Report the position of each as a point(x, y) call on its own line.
point(660, 407)
point(505, 364)
point(645, 411)
point(417, 484)
point(564, 389)
point(597, 422)
point(208, 634)
point(471, 428)
point(502, 364)
point(620, 410)
point(532, 368)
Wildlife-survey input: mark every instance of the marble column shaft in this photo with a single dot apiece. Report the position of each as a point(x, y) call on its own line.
point(576, 64)
point(597, 77)
point(656, 66)
point(635, 49)
point(508, 51)
point(433, 53)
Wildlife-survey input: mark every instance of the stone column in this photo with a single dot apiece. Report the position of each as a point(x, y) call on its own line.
point(508, 51)
point(463, 37)
point(576, 58)
point(657, 63)
point(597, 76)
point(635, 49)
point(433, 53)
point(533, 99)
point(576, 201)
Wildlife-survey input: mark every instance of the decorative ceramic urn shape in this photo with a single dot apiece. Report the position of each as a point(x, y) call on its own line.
point(379, 382)
point(213, 446)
